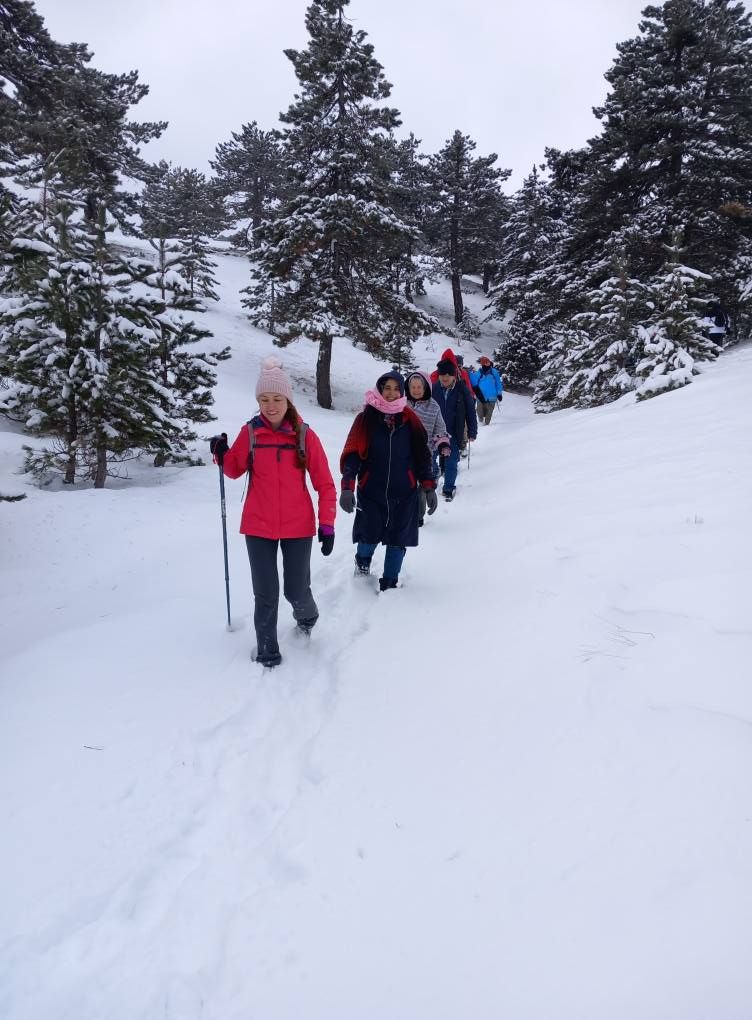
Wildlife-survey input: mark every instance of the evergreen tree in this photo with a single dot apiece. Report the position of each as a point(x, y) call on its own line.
point(410, 189)
point(327, 251)
point(75, 343)
point(676, 144)
point(518, 353)
point(181, 207)
point(672, 344)
point(251, 175)
point(529, 277)
point(599, 367)
point(463, 222)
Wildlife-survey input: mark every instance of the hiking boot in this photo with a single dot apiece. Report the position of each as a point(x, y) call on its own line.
point(268, 660)
point(304, 627)
point(448, 495)
point(385, 583)
point(362, 566)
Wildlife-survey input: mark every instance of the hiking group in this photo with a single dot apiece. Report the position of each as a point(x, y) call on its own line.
point(411, 432)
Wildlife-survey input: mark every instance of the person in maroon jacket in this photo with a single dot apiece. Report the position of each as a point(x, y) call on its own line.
point(278, 510)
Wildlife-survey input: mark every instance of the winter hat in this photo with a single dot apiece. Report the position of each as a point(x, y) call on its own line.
point(399, 379)
point(446, 367)
point(424, 379)
point(483, 360)
point(460, 359)
point(273, 379)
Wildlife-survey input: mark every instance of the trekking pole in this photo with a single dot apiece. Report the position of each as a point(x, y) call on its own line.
point(220, 458)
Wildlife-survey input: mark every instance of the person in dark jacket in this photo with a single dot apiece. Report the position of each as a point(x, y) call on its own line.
point(458, 410)
point(387, 455)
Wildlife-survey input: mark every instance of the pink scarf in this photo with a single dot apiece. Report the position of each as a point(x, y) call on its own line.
point(374, 398)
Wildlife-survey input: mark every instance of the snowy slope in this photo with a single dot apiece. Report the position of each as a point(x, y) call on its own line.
point(516, 787)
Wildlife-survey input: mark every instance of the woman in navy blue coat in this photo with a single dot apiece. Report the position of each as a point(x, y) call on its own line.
point(387, 455)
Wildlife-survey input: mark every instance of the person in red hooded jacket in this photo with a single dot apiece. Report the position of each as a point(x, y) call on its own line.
point(462, 373)
point(278, 510)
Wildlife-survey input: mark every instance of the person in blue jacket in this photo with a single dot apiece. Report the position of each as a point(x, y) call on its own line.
point(384, 463)
point(488, 388)
point(458, 410)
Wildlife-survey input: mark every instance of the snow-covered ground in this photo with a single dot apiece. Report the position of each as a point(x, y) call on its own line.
point(517, 787)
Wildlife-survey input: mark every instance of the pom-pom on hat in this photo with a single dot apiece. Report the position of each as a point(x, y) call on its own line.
point(273, 379)
point(446, 367)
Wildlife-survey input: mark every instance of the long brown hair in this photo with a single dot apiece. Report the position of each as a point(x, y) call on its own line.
point(293, 418)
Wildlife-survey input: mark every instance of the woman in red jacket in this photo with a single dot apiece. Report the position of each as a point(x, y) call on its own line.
point(278, 509)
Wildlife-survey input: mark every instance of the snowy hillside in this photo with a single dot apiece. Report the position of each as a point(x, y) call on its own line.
point(516, 787)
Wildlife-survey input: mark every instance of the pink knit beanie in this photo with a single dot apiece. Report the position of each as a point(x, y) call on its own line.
point(273, 379)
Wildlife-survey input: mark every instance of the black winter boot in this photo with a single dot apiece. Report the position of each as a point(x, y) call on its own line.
point(362, 566)
point(387, 582)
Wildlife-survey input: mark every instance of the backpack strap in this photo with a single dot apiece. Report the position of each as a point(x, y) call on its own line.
point(301, 444)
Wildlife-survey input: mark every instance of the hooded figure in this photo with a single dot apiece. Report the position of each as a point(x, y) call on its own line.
point(385, 461)
point(418, 393)
point(488, 388)
point(449, 355)
point(458, 410)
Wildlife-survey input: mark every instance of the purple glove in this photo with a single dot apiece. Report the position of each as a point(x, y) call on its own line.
point(326, 537)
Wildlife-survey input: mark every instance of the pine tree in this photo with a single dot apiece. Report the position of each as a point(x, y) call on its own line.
point(327, 251)
point(75, 343)
point(181, 207)
point(464, 219)
point(599, 369)
point(676, 145)
point(528, 279)
point(672, 346)
point(251, 176)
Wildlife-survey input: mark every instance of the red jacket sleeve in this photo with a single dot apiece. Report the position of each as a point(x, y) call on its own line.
point(235, 461)
point(321, 478)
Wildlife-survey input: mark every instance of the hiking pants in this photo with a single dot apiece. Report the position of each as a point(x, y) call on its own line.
point(296, 571)
point(485, 410)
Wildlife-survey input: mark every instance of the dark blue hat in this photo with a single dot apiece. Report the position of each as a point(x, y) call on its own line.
point(391, 375)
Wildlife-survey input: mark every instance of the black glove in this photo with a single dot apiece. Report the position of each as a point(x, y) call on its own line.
point(218, 447)
point(500, 397)
point(327, 541)
point(347, 500)
point(432, 501)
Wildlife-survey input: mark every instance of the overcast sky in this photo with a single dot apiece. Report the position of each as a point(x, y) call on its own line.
point(514, 75)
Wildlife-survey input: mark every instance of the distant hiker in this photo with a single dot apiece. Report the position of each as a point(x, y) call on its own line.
point(716, 322)
point(458, 410)
point(387, 455)
point(488, 388)
point(276, 448)
point(419, 398)
point(462, 374)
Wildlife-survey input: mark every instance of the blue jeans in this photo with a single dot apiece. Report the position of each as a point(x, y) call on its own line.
point(450, 466)
point(395, 554)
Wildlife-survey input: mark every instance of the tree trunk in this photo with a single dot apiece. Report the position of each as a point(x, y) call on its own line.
point(72, 436)
point(459, 308)
point(487, 277)
point(100, 475)
point(323, 373)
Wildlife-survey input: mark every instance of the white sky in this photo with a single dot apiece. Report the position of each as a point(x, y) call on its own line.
point(516, 76)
